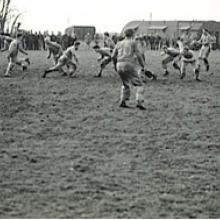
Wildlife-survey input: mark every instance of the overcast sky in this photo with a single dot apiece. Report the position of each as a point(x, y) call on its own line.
point(110, 15)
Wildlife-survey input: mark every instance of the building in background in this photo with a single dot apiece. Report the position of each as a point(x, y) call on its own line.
point(81, 31)
point(173, 29)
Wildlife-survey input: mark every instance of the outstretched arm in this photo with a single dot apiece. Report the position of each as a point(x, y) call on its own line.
point(6, 38)
point(4, 49)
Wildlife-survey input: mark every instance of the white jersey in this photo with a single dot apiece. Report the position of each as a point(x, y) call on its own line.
point(55, 48)
point(14, 47)
point(70, 52)
point(206, 39)
point(108, 42)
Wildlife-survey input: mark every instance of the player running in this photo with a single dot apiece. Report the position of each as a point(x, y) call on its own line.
point(206, 40)
point(15, 47)
point(124, 57)
point(66, 60)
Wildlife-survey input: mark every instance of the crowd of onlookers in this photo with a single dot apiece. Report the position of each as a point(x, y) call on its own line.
point(35, 41)
point(152, 42)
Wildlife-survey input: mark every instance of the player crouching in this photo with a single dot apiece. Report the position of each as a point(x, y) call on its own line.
point(54, 49)
point(14, 47)
point(170, 55)
point(66, 60)
point(187, 57)
point(105, 57)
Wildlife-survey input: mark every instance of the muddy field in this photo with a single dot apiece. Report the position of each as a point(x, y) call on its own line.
point(68, 151)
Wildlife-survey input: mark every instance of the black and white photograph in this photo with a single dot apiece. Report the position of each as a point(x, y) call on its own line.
point(109, 109)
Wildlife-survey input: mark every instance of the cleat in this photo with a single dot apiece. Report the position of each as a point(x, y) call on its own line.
point(24, 68)
point(166, 73)
point(182, 75)
point(198, 79)
point(64, 75)
point(154, 77)
point(44, 75)
point(123, 105)
point(98, 76)
point(197, 75)
point(28, 61)
point(207, 68)
point(7, 75)
point(141, 107)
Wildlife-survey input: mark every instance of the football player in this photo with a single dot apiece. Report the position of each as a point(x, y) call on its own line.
point(54, 49)
point(88, 40)
point(206, 40)
point(170, 55)
point(105, 57)
point(187, 57)
point(15, 47)
point(108, 42)
point(66, 60)
point(186, 37)
point(124, 57)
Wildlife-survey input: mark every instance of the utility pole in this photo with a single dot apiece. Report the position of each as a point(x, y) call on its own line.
point(151, 16)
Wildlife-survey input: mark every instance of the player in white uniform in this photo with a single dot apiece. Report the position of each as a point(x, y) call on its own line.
point(170, 55)
point(108, 42)
point(66, 60)
point(15, 47)
point(88, 40)
point(54, 49)
point(206, 40)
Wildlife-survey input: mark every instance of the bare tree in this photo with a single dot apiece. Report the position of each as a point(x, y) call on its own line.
point(15, 22)
point(8, 15)
point(4, 12)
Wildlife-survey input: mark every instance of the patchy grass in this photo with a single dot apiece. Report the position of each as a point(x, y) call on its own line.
point(68, 151)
